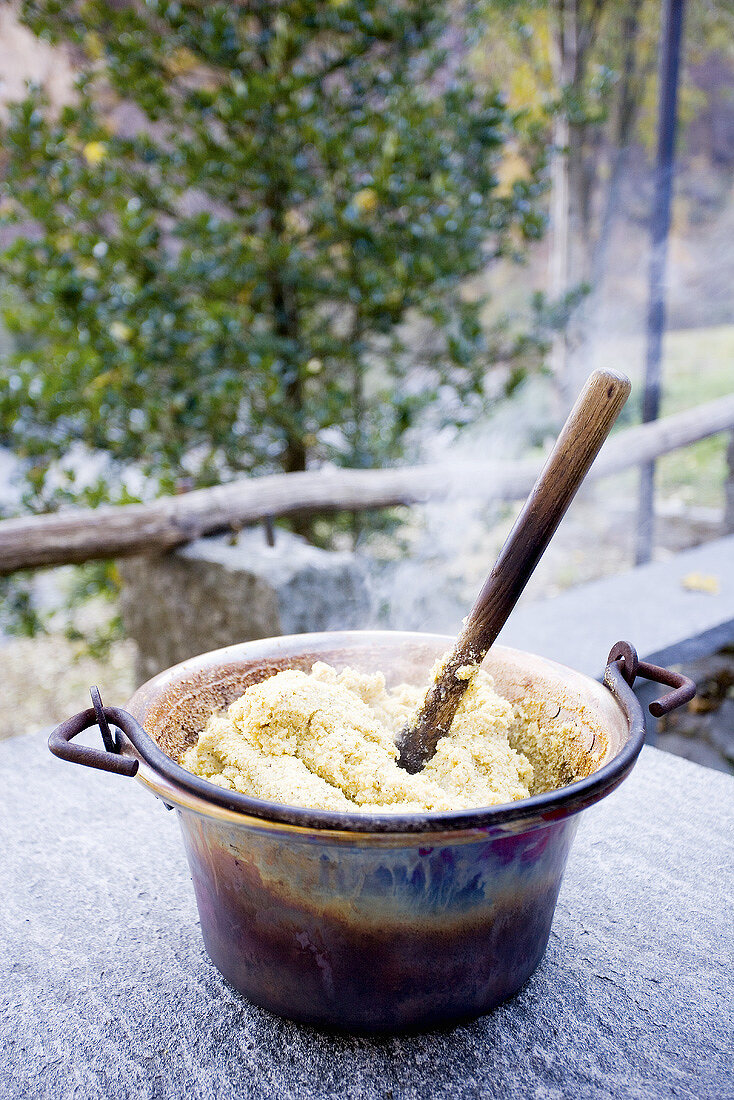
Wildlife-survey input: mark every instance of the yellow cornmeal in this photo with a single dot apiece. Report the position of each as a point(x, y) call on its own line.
point(327, 740)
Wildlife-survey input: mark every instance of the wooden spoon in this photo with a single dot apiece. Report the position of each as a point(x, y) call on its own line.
point(588, 425)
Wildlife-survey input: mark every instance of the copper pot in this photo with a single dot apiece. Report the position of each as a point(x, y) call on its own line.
point(372, 921)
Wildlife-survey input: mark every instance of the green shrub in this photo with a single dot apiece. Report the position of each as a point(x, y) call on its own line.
point(245, 244)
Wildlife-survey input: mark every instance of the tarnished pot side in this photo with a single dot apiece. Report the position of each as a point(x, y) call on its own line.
point(373, 921)
point(350, 933)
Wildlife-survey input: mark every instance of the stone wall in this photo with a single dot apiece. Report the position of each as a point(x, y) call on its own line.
point(214, 593)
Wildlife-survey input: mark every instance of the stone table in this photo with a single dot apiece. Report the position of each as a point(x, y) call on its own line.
point(648, 606)
point(107, 991)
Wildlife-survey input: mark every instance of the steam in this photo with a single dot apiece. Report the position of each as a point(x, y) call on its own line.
point(446, 548)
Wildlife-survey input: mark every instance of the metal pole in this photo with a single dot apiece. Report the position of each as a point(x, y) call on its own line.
point(672, 33)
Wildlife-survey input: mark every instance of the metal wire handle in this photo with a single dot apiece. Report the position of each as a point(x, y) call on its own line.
point(625, 657)
point(111, 759)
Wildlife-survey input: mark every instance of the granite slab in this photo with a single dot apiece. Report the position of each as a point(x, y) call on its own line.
point(648, 606)
point(107, 991)
point(214, 592)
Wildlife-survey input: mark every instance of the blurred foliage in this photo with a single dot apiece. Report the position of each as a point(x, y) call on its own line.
point(18, 612)
point(586, 74)
point(92, 581)
point(623, 34)
point(230, 238)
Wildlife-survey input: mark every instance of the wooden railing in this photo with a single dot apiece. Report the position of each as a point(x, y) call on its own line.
point(79, 535)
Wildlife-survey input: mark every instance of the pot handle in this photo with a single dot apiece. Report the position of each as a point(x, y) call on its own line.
point(112, 758)
point(624, 661)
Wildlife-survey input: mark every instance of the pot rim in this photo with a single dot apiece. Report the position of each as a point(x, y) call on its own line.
point(175, 784)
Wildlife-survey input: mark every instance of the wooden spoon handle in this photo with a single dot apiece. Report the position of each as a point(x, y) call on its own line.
point(577, 446)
